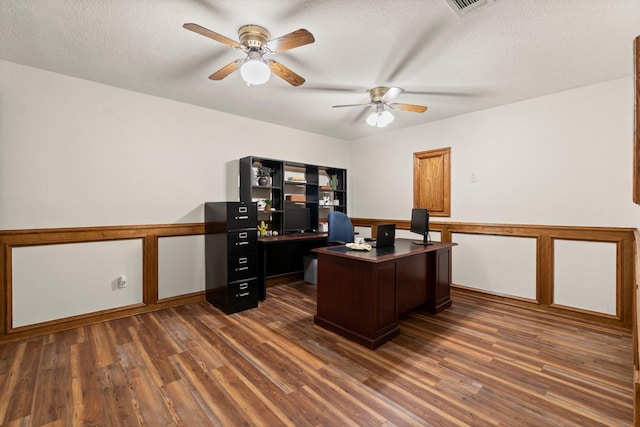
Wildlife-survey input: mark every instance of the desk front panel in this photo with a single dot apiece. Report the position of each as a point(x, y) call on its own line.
point(361, 294)
point(439, 272)
point(411, 279)
point(357, 299)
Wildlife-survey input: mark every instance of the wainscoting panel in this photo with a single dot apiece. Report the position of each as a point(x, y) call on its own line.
point(169, 258)
point(75, 271)
point(55, 281)
point(180, 266)
point(497, 264)
point(585, 275)
point(575, 296)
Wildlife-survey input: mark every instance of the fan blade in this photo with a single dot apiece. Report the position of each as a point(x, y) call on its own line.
point(409, 107)
point(352, 105)
point(361, 116)
point(226, 70)
point(468, 92)
point(322, 88)
point(289, 41)
point(215, 36)
point(391, 93)
point(284, 73)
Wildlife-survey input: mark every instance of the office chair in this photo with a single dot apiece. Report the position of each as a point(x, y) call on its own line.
point(340, 232)
point(340, 229)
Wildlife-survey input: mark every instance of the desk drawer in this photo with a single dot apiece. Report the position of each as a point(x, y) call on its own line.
point(242, 266)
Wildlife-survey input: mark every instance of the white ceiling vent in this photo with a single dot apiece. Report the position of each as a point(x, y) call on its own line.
point(464, 6)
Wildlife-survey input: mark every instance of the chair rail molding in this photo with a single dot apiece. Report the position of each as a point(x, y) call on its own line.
point(545, 236)
point(149, 235)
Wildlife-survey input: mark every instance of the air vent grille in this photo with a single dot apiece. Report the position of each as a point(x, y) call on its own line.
point(464, 6)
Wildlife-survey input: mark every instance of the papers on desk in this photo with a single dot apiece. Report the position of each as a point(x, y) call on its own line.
point(357, 247)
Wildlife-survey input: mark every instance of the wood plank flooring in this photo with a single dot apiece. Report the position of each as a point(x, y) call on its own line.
point(480, 363)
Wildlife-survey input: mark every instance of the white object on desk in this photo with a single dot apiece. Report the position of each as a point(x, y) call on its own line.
point(359, 247)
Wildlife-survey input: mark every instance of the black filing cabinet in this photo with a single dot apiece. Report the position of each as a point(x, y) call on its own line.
point(231, 253)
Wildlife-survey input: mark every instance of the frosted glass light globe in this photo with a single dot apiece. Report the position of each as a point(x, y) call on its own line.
point(385, 118)
point(255, 72)
point(372, 120)
point(380, 119)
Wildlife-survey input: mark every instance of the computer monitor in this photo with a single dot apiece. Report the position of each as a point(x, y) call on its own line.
point(420, 225)
point(297, 220)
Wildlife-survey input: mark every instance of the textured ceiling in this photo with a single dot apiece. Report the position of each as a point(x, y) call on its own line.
point(505, 51)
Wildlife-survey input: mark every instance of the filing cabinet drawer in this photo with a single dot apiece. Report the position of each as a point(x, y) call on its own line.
point(242, 266)
point(243, 294)
point(242, 241)
point(241, 215)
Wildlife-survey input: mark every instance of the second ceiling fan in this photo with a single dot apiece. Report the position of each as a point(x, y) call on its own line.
point(256, 43)
point(380, 97)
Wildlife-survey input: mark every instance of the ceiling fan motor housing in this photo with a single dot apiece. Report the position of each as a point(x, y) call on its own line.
point(377, 93)
point(253, 35)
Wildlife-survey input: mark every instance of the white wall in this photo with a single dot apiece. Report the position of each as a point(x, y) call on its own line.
point(56, 281)
point(585, 285)
point(77, 153)
point(74, 153)
point(181, 265)
point(503, 265)
point(562, 159)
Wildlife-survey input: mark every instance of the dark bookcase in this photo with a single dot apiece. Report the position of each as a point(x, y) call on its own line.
point(293, 185)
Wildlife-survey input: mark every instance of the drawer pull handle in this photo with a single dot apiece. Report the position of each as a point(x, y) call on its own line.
point(243, 235)
point(244, 294)
point(242, 268)
point(243, 217)
point(242, 260)
point(244, 286)
point(242, 209)
point(242, 243)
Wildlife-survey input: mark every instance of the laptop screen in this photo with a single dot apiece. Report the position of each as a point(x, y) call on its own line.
point(386, 235)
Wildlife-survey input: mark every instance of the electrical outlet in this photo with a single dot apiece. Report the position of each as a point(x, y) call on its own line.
point(122, 281)
point(474, 178)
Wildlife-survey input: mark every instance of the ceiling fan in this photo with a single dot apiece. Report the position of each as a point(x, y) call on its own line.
point(380, 97)
point(256, 43)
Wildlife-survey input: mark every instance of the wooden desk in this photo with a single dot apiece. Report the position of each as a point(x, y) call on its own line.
point(362, 294)
point(282, 255)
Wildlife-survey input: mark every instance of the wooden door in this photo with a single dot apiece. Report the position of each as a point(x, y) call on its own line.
point(432, 181)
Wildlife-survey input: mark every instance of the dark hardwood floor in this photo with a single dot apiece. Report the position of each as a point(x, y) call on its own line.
point(478, 363)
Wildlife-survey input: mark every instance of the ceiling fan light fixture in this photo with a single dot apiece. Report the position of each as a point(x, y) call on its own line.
point(372, 120)
point(385, 118)
point(255, 71)
point(380, 118)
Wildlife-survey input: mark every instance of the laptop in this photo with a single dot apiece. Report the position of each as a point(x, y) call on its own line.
point(386, 236)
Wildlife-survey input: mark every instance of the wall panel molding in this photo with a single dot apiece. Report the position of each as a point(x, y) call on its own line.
point(545, 235)
point(10, 239)
point(636, 119)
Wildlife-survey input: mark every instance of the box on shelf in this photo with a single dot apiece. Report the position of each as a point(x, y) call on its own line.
point(296, 179)
point(295, 197)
